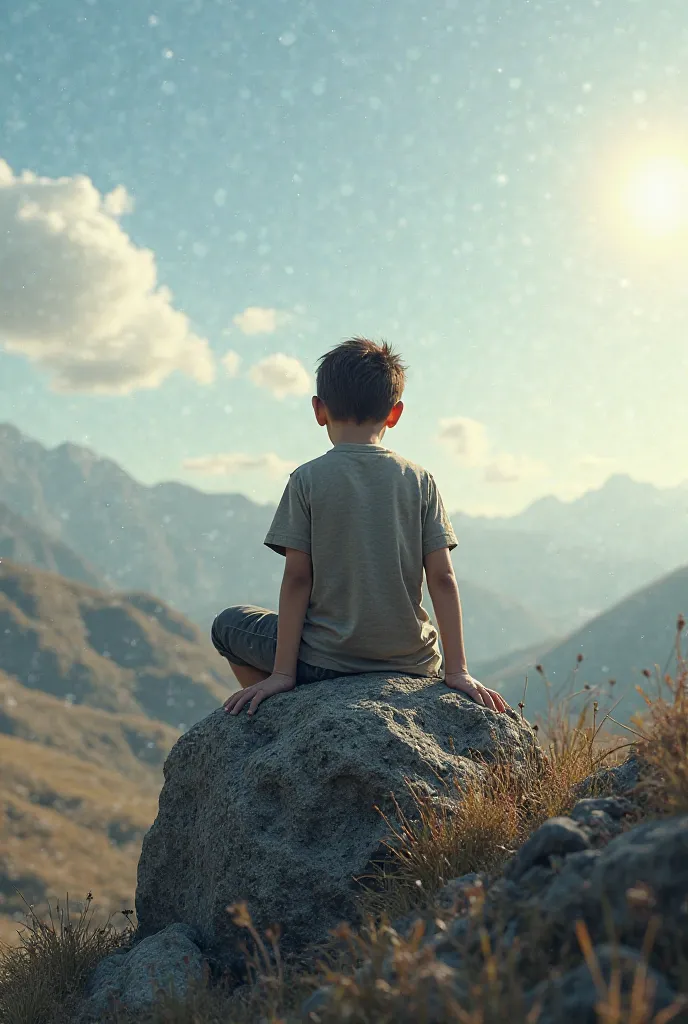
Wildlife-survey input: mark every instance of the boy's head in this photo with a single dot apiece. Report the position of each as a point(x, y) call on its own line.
point(361, 381)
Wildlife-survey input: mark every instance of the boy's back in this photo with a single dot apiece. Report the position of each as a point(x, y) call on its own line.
point(367, 517)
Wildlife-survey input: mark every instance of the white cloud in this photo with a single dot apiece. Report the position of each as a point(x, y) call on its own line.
point(79, 298)
point(257, 320)
point(229, 463)
point(231, 362)
point(282, 375)
point(511, 469)
point(467, 439)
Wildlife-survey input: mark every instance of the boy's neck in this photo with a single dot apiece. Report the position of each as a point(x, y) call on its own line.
point(355, 433)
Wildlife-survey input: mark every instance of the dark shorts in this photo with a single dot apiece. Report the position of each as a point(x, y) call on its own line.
point(247, 636)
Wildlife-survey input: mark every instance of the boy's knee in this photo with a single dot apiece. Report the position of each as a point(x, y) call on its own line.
point(224, 620)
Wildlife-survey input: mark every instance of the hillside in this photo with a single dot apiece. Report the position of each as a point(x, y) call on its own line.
point(94, 688)
point(638, 633)
point(564, 583)
point(132, 745)
point(21, 541)
point(495, 623)
point(124, 653)
point(79, 789)
point(65, 825)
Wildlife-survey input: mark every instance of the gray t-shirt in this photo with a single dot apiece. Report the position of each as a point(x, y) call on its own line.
point(367, 517)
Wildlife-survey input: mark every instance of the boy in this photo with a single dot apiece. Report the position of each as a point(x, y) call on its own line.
point(358, 526)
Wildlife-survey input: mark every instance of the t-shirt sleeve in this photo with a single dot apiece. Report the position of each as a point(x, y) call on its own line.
point(438, 531)
point(291, 525)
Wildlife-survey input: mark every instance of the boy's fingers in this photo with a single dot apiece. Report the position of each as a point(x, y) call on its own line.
point(233, 700)
point(492, 700)
point(243, 698)
point(475, 694)
point(501, 702)
point(259, 697)
point(487, 698)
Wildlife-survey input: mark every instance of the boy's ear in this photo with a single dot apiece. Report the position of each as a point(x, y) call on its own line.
point(394, 415)
point(320, 411)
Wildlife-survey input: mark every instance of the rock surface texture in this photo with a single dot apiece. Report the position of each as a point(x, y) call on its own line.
point(280, 810)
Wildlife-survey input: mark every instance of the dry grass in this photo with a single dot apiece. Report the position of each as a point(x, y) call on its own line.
point(663, 738)
point(403, 982)
point(50, 965)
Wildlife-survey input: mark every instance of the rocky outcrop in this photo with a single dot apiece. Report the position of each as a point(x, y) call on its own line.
point(283, 811)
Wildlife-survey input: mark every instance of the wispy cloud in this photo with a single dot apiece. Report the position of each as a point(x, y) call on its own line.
point(281, 375)
point(231, 362)
point(468, 441)
point(466, 438)
point(230, 463)
point(79, 298)
point(259, 320)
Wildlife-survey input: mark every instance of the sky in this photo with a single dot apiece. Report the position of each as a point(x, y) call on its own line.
point(198, 199)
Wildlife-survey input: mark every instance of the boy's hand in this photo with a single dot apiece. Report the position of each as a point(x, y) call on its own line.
point(256, 694)
point(465, 682)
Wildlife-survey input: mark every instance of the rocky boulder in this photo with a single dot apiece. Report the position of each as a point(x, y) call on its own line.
point(283, 810)
point(133, 979)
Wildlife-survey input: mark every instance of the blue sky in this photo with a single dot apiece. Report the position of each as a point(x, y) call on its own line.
point(499, 188)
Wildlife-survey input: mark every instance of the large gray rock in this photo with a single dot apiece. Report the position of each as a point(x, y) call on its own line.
point(280, 810)
point(132, 980)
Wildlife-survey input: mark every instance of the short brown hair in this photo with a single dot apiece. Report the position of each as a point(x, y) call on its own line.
point(360, 380)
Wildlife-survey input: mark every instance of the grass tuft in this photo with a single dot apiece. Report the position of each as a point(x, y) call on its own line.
point(663, 738)
point(52, 961)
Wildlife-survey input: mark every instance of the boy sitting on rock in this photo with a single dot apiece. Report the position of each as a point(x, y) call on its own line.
point(358, 527)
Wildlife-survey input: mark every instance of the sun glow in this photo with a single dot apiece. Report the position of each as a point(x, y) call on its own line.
point(655, 195)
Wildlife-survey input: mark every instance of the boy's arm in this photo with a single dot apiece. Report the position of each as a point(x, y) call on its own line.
point(444, 593)
point(295, 593)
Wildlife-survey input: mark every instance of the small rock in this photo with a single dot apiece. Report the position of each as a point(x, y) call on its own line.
point(132, 980)
point(574, 996)
point(616, 807)
point(455, 890)
point(556, 838)
point(623, 778)
point(316, 1004)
